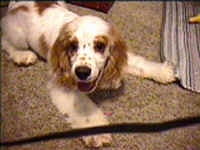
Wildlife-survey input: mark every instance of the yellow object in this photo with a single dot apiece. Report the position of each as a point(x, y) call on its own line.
point(195, 19)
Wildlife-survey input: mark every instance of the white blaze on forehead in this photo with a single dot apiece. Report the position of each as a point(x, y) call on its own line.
point(90, 27)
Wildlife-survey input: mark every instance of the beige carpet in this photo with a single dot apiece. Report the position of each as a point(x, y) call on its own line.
point(27, 110)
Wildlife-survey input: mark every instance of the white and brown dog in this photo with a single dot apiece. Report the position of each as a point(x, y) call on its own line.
point(85, 53)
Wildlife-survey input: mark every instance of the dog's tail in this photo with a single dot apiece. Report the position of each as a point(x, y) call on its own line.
point(11, 4)
point(15, 4)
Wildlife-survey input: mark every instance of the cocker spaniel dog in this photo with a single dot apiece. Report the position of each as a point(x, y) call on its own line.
point(84, 53)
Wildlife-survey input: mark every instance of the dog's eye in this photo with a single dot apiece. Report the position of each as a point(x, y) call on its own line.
point(100, 47)
point(73, 47)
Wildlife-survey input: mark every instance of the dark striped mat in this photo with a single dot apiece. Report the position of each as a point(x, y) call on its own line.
point(181, 41)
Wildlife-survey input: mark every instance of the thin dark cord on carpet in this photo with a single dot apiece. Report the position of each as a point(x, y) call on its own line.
point(112, 128)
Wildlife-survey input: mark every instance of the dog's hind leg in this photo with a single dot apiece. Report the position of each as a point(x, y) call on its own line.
point(20, 57)
point(160, 72)
point(14, 41)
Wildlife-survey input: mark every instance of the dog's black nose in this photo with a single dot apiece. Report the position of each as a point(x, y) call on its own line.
point(83, 72)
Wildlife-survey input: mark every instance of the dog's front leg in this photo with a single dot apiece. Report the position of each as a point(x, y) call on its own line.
point(160, 72)
point(81, 112)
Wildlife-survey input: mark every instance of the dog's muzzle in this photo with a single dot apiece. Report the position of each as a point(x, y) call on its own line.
point(84, 83)
point(83, 74)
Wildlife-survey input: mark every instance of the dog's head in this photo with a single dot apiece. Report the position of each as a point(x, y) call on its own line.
point(84, 51)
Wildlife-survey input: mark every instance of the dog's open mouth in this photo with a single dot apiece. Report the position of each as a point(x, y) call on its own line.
point(86, 86)
point(89, 86)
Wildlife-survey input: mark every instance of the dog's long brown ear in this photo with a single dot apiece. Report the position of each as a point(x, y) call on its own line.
point(118, 56)
point(59, 58)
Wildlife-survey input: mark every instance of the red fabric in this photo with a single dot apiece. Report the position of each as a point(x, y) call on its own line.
point(99, 6)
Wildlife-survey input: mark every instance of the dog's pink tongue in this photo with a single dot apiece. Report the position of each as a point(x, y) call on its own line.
point(84, 87)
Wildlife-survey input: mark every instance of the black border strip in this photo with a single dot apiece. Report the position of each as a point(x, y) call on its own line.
point(113, 128)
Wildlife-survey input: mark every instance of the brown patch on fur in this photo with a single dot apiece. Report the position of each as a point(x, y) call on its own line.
point(72, 46)
point(44, 47)
point(102, 39)
point(117, 59)
point(20, 8)
point(60, 58)
point(82, 58)
point(42, 6)
point(100, 43)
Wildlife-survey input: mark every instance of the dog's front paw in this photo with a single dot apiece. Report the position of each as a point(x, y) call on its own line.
point(97, 140)
point(169, 73)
